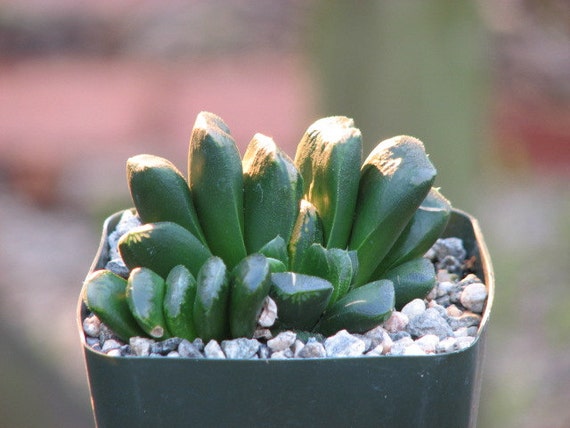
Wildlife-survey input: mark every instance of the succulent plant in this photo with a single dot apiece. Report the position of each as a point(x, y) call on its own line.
point(335, 242)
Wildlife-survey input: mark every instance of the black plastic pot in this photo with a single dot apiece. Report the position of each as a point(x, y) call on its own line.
point(440, 390)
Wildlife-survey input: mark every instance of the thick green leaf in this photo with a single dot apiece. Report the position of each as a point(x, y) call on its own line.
point(272, 190)
point(178, 303)
point(145, 296)
point(425, 227)
point(161, 246)
point(413, 279)
point(395, 179)
point(300, 299)
point(105, 296)
point(250, 282)
point(308, 230)
point(276, 249)
point(216, 182)
point(212, 300)
point(361, 309)
point(329, 157)
point(160, 193)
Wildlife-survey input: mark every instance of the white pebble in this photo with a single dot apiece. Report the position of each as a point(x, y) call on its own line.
point(428, 343)
point(413, 349)
point(110, 345)
point(114, 352)
point(92, 326)
point(213, 350)
point(464, 342)
point(397, 322)
point(344, 344)
point(474, 296)
point(282, 341)
point(268, 313)
point(446, 345)
point(414, 308)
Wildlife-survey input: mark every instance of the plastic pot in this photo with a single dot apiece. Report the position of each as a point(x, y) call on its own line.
point(440, 390)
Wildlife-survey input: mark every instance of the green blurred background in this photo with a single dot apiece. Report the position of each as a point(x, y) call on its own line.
point(84, 85)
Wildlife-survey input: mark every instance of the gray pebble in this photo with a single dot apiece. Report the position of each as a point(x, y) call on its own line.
point(115, 352)
point(213, 350)
point(282, 341)
point(429, 322)
point(428, 343)
point(165, 346)
point(140, 346)
point(188, 349)
point(92, 326)
point(397, 322)
point(343, 344)
point(399, 335)
point(111, 344)
point(263, 352)
point(473, 297)
point(173, 354)
point(117, 266)
point(446, 345)
point(400, 345)
point(312, 349)
point(282, 355)
point(464, 342)
point(467, 319)
point(240, 348)
point(448, 247)
point(414, 308)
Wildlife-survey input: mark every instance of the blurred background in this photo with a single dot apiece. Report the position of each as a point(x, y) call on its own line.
point(84, 85)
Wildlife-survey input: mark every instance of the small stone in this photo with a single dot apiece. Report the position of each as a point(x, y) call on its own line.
point(469, 279)
point(296, 348)
point(474, 296)
point(464, 342)
point(264, 352)
point(446, 345)
point(454, 311)
point(449, 247)
point(262, 333)
point(375, 352)
point(451, 264)
point(414, 308)
point(343, 344)
point(376, 335)
point(399, 335)
point(429, 322)
point(282, 341)
point(117, 266)
point(92, 341)
point(367, 341)
point(241, 348)
point(312, 349)
point(472, 331)
point(467, 319)
point(268, 313)
point(198, 343)
point(92, 326)
point(140, 346)
point(115, 352)
point(213, 350)
point(165, 346)
point(461, 332)
point(188, 349)
point(428, 343)
point(173, 354)
point(110, 344)
point(282, 355)
point(400, 345)
point(413, 349)
point(397, 322)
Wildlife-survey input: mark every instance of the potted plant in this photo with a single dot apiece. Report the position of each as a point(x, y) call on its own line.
point(267, 291)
